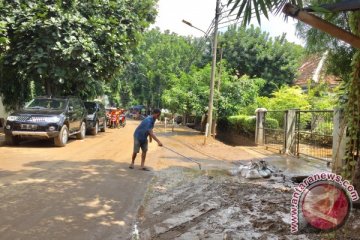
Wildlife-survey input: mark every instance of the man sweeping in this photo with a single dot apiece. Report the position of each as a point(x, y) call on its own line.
point(141, 133)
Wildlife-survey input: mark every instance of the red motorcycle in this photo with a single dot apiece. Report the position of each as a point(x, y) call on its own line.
point(116, 118)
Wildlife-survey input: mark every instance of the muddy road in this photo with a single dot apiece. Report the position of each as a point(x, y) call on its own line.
point(82, 191)
point(85, 191)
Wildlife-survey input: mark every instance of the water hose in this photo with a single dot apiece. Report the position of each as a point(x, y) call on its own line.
point(191, 160)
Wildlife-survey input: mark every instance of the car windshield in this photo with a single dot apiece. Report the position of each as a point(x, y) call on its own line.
point(90, 107)
point(50, 104)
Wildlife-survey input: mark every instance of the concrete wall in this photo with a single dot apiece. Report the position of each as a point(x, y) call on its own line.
point(339, 141)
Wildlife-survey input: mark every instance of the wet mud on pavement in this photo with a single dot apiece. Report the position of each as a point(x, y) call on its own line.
point(186, 203)
point(189, 204)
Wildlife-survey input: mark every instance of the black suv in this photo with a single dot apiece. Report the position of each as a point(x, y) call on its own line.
point(46, 117)
point(96, 118)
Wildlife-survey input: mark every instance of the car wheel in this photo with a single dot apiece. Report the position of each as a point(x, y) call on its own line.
point(103, 129)
point(81, 134)
point(62, 138)
point(11, 140)
point(95, 129)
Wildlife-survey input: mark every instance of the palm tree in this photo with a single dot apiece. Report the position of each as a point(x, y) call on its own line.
point(247, 8)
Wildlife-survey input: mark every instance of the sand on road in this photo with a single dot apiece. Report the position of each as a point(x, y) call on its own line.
point(84, 190)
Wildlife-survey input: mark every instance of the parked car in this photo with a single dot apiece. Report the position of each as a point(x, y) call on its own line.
point(47, 117)
point(96, 117)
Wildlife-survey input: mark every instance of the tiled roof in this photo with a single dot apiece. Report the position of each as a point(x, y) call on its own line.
point(307, 70)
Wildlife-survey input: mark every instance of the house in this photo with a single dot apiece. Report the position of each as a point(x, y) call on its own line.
point(313, 71)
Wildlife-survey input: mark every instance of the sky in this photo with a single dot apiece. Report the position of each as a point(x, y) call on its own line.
point(201, 12)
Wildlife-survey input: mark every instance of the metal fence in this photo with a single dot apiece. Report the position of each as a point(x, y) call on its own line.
point(274, 130)
point(314, 134)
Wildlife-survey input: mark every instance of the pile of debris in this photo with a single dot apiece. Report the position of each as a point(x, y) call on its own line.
point(258, 169)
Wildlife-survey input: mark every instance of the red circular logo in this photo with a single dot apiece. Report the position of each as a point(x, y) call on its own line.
point(325, 206)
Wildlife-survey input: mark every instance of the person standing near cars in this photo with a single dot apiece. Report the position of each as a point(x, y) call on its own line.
point(141, 133)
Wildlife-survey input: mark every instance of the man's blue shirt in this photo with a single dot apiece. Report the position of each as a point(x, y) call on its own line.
point(142, 131)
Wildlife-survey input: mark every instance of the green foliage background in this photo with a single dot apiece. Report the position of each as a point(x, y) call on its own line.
point(67, 47)
point(252, 52)
point(171, 71)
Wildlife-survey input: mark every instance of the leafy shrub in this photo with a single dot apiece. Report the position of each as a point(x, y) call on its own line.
point(271, 123)
point(324, 128)
point(243, 124)
point(286, 98)
point(283, 99)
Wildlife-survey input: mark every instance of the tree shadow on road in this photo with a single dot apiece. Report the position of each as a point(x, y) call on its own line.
point(95, 199)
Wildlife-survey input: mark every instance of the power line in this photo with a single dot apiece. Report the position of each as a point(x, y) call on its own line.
point(222, 10)
point(210, 27)
point(231, 20)
point(212, 24)
point(231, 15)
point(201, 45)
point(234, 21)
point(229, 9)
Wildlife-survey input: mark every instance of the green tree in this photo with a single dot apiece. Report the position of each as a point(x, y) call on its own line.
point(283, 99)
point(189, 93)
point(286, 98)
point(4, 41)
point(252, 52)
point(238, 95)
point(160, 56)
point(322, 97)
point(68, 47)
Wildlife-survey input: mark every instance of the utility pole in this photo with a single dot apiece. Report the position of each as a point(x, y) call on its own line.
point(218, 90)
point(213, 70)
point(220, 73)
